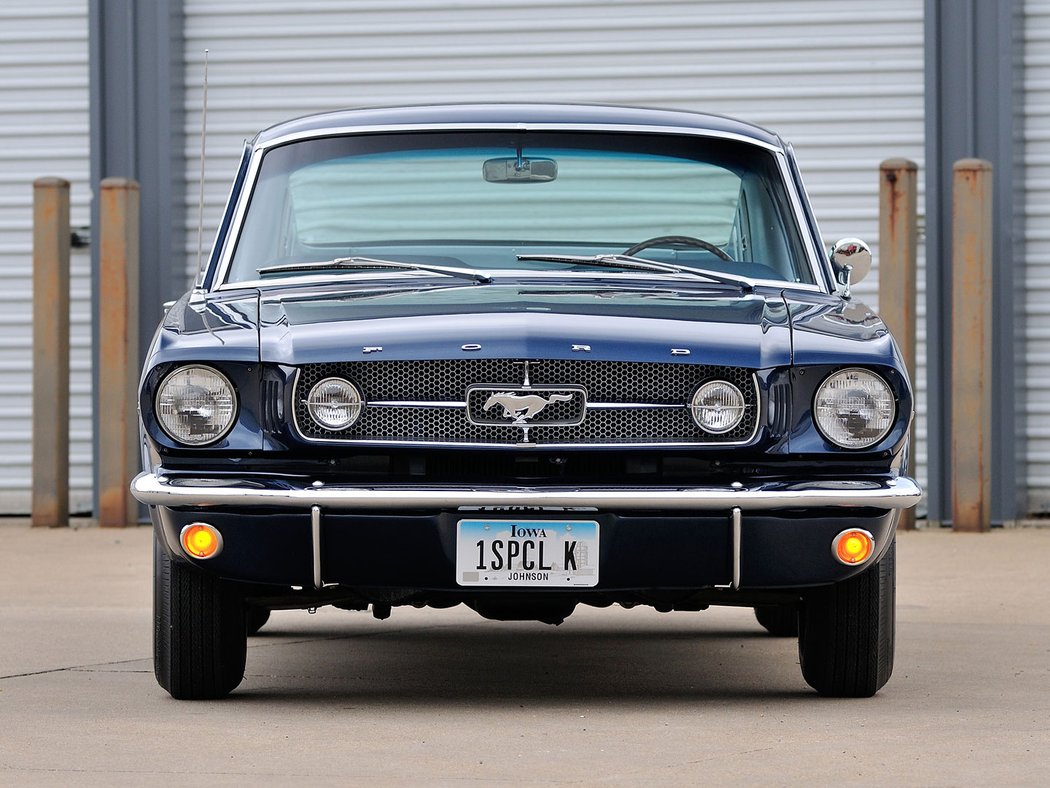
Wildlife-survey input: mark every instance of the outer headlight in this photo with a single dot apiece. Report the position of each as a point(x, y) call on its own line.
point(854, 408)
point(334, 403)
point(717, 407)
point(196, 405)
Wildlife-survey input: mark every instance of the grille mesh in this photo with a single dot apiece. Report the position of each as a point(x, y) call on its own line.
point(447, 381)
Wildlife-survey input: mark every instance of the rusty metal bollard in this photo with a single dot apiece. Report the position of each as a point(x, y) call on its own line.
point(898, 241)
point(118, 455)
point(971, 433)
point(50, 502)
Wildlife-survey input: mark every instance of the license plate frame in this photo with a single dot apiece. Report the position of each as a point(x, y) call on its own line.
point(548, 553)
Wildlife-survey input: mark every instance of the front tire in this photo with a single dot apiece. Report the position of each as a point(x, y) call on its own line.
point(846, 632)
point(199, 636)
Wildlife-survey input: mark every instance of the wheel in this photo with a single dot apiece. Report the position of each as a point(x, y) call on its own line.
point(779, 620)
point(678, 240)
point(845, 642)
point(199, 635)
point(255, 617)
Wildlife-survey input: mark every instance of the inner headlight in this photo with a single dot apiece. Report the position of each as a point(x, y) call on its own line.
point(196, 405)
point(334, 403)
point(717, 407)
point(854, 408)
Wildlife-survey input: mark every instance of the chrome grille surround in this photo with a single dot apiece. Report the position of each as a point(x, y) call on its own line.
point(424, 403)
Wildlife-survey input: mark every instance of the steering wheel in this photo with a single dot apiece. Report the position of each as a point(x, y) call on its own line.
point(678, 240)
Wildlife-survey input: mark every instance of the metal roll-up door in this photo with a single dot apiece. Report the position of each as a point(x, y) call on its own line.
point(43, 132)
point(843, 81)
point(1037, 250)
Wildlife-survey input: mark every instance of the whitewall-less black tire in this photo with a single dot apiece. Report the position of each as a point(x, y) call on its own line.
point(846, 632)
point(199, 635)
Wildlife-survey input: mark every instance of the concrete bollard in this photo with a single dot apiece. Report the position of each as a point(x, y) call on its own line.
point(50, 502)
point(898, 241)
point(971, 433)
point(118, 455)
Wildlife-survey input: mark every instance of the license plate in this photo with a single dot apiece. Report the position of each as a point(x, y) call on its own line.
point(527, 553)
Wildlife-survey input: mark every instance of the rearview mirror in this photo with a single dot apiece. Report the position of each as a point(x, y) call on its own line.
point(516, 170)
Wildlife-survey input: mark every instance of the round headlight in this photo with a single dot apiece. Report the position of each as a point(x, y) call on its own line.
point(717, 407)
point(196, 405)
point(854, 408)
point(334, 403)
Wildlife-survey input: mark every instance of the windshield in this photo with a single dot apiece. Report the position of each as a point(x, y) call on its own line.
point(481, 199)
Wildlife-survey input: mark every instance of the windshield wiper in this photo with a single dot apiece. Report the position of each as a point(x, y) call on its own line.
point(630, 263)
point(369, 263)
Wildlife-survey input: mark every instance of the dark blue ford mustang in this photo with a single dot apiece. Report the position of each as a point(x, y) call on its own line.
point(523, 357)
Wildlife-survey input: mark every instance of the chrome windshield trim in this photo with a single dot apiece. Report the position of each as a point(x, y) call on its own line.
point(815, 255)
point(801, 219)
point(514, 277)
point(195, 492)
point(340, 131)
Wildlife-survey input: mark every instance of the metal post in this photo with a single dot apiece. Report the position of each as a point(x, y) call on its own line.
point(50, 352)
point(136, 64)
point(972, 383)
point(118, 350)
point(898, 233)
point(974, 107)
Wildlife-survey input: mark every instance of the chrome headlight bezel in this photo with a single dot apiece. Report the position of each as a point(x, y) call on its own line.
point(223, 397)
point(353, 405)
point(831, 421)
point(733, 406)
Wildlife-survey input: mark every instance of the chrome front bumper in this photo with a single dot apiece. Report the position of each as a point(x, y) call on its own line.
point(198, 492)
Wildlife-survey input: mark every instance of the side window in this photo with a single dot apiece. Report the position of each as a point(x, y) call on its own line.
point(764, 228)
point(739, 246)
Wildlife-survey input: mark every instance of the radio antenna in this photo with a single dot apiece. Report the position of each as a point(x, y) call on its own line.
point(200, 197)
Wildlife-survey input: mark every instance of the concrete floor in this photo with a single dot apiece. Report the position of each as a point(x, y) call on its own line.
point(444, 698)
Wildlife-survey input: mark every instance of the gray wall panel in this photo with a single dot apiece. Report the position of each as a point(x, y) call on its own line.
point(43, 131)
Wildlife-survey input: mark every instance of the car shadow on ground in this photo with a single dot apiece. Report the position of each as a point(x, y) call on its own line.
point(496, 664)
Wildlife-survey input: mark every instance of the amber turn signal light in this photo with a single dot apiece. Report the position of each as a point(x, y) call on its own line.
point(853, 547)
point(201, 540)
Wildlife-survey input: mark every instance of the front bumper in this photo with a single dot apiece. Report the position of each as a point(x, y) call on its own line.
point(182, 491)
point(769, 535)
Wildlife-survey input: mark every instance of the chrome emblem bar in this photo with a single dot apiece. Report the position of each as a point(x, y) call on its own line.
point(526, 407)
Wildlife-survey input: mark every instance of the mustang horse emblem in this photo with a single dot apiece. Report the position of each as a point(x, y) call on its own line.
point(522, 406)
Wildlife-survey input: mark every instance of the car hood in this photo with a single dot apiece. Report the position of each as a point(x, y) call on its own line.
point(760, 330)
point(750, 331)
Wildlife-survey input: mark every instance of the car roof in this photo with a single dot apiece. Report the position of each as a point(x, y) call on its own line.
point(524, 114)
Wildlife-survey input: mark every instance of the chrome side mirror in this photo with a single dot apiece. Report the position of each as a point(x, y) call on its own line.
point(851, 259)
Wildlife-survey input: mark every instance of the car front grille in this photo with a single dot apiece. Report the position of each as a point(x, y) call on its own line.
point(413, 402)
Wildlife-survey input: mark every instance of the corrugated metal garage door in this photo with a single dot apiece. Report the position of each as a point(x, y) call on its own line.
point(843, 80)
point(43, 131)
point(1037, 250)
